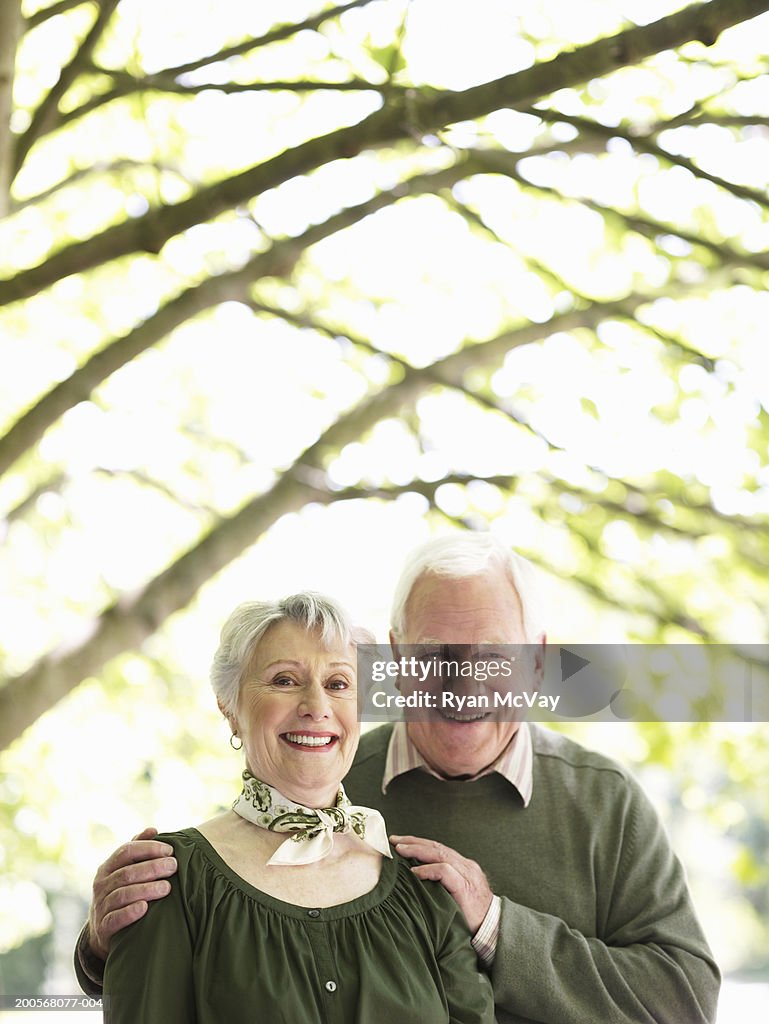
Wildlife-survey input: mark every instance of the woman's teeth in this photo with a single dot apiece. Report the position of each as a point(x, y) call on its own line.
point(309, 741)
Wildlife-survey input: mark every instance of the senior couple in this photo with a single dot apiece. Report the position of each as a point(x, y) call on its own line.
point(532, 878)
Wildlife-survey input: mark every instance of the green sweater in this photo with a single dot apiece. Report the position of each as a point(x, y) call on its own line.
point(597, 925)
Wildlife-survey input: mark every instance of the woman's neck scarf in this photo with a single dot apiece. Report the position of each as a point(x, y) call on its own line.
point(312, 829)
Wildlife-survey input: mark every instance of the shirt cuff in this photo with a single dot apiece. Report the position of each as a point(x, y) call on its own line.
point(485, 939)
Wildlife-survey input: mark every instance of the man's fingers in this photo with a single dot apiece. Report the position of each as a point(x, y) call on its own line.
point(449, 877)
point(132, 894)
point(471, 892)
point(147, 833)
point(132, 853)
point(134, 874)
point(112, 923)
point(425, 850)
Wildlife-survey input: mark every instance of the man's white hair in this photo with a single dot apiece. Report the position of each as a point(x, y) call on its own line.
point(460, 555)
point(250, 621)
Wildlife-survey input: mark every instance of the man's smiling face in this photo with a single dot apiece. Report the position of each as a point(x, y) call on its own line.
point(482, 609)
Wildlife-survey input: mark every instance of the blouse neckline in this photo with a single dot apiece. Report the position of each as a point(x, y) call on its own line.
point(359, 905)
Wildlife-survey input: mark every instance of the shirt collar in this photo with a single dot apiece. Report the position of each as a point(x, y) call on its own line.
point(515, 763)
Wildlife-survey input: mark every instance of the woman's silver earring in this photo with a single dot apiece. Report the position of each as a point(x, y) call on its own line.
point(234, 736)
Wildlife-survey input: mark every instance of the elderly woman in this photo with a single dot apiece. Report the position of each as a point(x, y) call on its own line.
point(290, 907)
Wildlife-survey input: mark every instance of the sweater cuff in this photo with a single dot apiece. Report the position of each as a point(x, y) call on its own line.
point(89, 968)
point(485, 939)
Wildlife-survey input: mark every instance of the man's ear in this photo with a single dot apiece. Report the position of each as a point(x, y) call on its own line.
point(394, 645)
point(396, 652)
point(539, 661)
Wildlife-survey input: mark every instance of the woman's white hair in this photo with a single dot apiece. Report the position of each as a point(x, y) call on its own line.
point(459, 555)
point(250, 621)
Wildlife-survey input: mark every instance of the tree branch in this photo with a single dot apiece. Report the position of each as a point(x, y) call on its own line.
point(506, 164)
point(129, 621)
point(646, 144)
point(725, 121)
point(47, 113)
point(419, 112)
point(166, 83)
point(278, 261)
point(687, 352)
point(633, 510)
point(145, 480)
point(275, 35)
point(11, 23)
point(86, 172)
point(50, 12)
point(127, 85)
point(589, 586)
point(52, 485)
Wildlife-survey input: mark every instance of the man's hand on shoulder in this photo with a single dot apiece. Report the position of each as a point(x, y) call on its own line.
point(461, 877)
point(134, 874)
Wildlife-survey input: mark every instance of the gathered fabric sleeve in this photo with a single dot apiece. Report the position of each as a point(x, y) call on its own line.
point(468, 991)
point(651, 964)
point(466, 987)
point(148, 974)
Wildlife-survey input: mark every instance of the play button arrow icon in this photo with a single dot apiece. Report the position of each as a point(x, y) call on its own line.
point(571, 664)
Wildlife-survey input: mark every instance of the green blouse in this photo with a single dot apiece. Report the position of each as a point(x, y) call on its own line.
point(218, 951)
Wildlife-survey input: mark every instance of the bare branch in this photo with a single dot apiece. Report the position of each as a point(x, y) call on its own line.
point(507, 164)
point(646, 144)
point(685, 351)
point(725, 120)
point(419, 112)
point(703, 22)
point(46, 114)
point(163, 82)
point(145, 480)
point(11, 23)
point(636, 508)
point(286, 85)
point(278, 261)
point(275, 35)
point(52, 485)
point(116, 167)
point(128, 622)
point(664, 616)
point(50, 12)
point(127, 85)
point(674, 344)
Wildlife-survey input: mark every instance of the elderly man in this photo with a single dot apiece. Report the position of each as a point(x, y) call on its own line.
point(578, 906)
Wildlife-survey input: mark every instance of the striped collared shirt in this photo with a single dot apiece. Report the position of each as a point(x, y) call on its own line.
point(515, 763)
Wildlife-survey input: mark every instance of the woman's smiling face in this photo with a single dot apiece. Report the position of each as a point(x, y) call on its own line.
point(297, 713)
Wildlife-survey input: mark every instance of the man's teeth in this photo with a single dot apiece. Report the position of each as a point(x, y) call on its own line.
point(457, 716)
point(309, 741)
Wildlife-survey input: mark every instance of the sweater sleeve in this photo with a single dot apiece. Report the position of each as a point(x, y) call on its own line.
point(89, 969)
point(650, 965)
point(148, 975)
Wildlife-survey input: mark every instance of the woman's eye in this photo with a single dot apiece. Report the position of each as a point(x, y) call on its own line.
point(338, 684)
point(282, 681)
